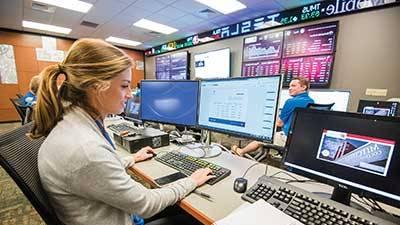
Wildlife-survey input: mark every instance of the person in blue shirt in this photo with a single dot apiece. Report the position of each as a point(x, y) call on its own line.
point(298, 89)
point(29, 99)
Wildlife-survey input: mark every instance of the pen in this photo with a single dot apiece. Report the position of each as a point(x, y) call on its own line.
point(202, 194)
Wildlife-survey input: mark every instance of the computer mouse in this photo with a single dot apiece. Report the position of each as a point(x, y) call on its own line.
point(240, 185)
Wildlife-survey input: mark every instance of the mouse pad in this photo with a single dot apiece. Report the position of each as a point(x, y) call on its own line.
point(169, 178)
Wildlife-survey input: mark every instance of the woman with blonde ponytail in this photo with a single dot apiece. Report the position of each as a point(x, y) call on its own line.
point(85, 179)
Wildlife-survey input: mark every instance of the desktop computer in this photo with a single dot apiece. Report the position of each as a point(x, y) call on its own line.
point(169, 102)
point(352, 152)
point(378, 108)
point(245, 106)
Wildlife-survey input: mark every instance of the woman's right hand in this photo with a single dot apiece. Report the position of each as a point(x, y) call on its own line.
point(202, 175)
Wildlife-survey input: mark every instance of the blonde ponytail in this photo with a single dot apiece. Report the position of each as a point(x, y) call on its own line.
point(48, 109)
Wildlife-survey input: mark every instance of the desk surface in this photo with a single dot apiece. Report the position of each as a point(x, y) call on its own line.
point(224, 199)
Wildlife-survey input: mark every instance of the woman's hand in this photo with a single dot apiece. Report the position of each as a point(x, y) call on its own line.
point(143, 154)
point(202, 175)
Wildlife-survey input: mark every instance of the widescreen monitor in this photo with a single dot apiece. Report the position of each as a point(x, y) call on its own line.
point(213, 64)
point(173, 66)
point(378, 108)
point(240, 106)
point(352, 152)
point(171, 102)
point(339, 97)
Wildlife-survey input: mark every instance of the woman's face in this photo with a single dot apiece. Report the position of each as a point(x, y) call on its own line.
point(113, 99)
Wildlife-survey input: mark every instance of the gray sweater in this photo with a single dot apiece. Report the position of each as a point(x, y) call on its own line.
point(87, 181)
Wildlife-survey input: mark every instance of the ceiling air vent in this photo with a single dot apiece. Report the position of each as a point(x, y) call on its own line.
point(43, 7)
point(207, 11)
point(154, 33)
point(89, 24)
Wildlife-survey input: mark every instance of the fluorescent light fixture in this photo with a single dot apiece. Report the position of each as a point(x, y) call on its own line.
point(158, 27)
point(224, 6)
point(123, 41)
point(75, 5)
point(46, 27)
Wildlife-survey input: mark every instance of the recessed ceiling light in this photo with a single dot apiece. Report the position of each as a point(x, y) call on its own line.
point(123, 41)
point(224, 6)
point(46, 27)
point(150, 25)
point(75, 5)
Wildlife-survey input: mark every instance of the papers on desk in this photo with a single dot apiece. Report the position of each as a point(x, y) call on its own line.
point(258, 213)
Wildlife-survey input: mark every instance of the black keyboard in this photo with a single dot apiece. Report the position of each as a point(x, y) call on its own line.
point(188, 164)
point(308, 208)
point(122, 128)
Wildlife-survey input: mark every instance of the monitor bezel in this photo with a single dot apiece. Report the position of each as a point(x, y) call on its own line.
point(240, 134)
point(163, 122)
point(373, 102)
point(202, 53)
point(326, 179)
point(187, 64)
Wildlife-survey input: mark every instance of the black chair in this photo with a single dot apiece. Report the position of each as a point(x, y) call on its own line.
point(18, 157)
point(19, 108)
point(19, 95)
point(326, 107)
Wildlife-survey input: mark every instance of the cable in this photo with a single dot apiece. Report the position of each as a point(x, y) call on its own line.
point(247, 170)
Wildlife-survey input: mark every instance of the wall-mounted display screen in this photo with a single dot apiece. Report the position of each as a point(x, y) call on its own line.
point(312, 40)
point(261, 54)
point(316, 68)
point(213, 64)
point(173, 66)
point(309, 52)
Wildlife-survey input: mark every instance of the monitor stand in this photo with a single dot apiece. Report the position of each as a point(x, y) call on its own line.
point(205, 149)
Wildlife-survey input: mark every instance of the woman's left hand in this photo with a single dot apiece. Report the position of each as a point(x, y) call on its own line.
point(143, 154)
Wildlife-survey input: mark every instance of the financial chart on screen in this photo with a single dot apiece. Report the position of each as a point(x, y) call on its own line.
point(309, 52)
point(261, 54)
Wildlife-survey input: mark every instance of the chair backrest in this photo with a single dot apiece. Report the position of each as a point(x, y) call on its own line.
point(326, 107)
point(19, 95)
point(19, 158)
point(20, 109)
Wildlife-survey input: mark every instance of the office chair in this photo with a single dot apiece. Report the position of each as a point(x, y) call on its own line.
point(18, 157)
point(20, 109)
point(19, 95)
point(326, 107)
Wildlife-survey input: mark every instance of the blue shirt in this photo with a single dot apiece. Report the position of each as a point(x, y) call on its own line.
point(28, 99)
point(298, 101)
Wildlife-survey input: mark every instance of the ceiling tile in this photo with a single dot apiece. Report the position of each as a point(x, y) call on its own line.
point(190, 19)
point(171, 12)
point(104, 10)
point(37, 16)
point(152, 6)
point(11, 14)
point(189, 6)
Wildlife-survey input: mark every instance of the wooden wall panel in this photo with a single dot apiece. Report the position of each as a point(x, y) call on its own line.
point(28, 66)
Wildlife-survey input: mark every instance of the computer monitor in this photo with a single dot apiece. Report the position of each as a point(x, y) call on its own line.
point(213, 64)
point(132, 109)
point(339, 97)
point(171, 102)
point(379, 108)
point(244, 106)
point(352, 152)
